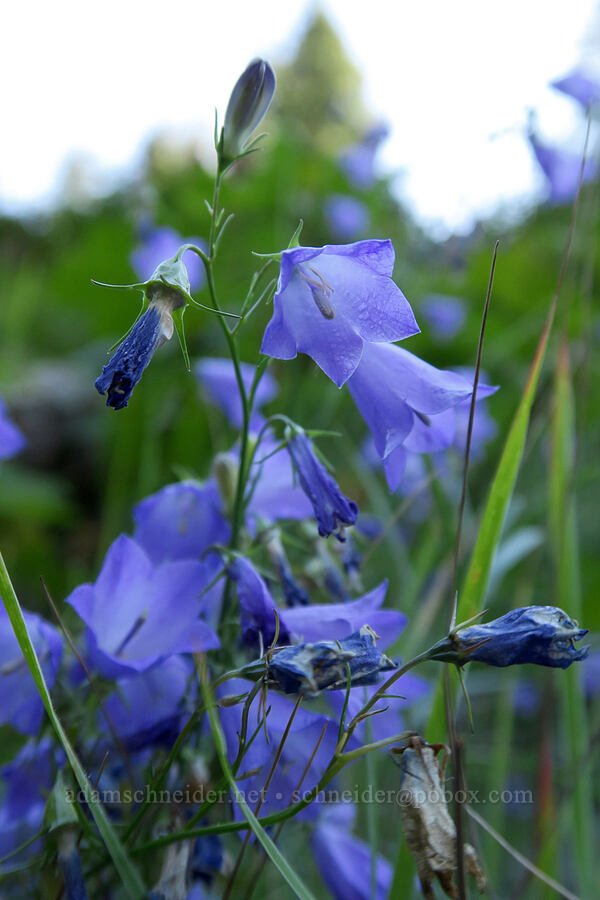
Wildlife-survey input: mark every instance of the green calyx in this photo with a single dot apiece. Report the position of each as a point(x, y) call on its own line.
point(294, 242)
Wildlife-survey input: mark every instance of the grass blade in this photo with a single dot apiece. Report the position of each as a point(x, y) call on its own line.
point(472, 597)
point(128, 874)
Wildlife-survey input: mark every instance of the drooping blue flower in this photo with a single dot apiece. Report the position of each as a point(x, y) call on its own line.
point(580, 87)
point(138, 614)
point(166, 291)
point(162, 242)
point(297, 752)
point(332, 300)
point(126, 366)
point(347, 217)
point(146, 710)
point(248, 104)
point(11, 439)
point(408, 404)
point(276, 494)
point(27, 781)
point(562, 170)
point(543, 635)
point(358, 161)
point(344, 861)
point(332, 510)
point(181, 521)
point(219, 384)
point(444, 315)
point(20, 703)
point(311, 668)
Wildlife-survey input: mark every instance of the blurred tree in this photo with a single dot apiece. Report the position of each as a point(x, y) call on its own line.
point(318, 94)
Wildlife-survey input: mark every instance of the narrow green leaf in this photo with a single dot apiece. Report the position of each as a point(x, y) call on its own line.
point(129, 875)
point(472, 597)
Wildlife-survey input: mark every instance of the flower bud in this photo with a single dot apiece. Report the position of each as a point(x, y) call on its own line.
point(249, 101)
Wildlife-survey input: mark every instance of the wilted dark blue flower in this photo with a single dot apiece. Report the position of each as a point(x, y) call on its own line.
point(180, 521)
point(332, 510)
point(408, 404)
point(248, 104)
point(162, 242)
point(11, 439)
point(543, 635)
point(332, 300)
point(344, 861)
point(358, 161)
point(167, 290)
point(138, 614)
point(562, 170)
point(122, 373)
point(27, 781)
point(311, 668)
point(297, 752)
point(347, 217)
point(146, 709)
point(444, 315)
point(579, 86)
point(20, 703)
point(217, 377)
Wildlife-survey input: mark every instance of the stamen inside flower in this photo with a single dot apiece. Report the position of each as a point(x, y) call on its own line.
point(321, 290)
point(424, 419)
point(131, 633)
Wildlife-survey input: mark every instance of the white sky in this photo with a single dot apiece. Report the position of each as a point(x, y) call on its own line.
point(454, 79)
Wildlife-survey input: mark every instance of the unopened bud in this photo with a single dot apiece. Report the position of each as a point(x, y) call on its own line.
point(248, 104)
